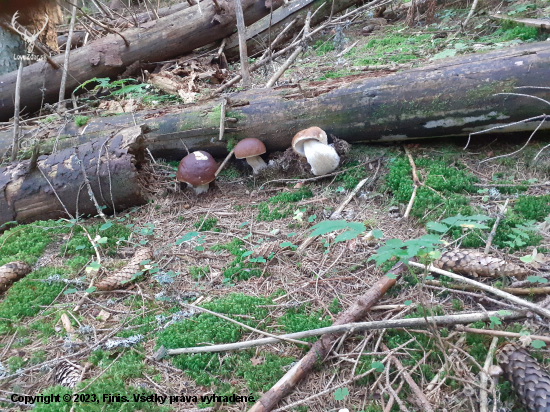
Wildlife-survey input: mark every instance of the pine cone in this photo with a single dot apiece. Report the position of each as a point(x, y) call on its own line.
point(115, 280)
point(530, 381)
point(473, 263)
point(67, 374)
point(12, 272)
point(266, 249)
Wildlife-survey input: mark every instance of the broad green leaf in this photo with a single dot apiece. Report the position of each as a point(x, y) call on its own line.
point(105, 226)
point(69, 291)
point(341, 393)
point(286, 244)
point(80, 247)
point(247, 253)
point(377, 234)
point(527, 259)
point(94, 265)
point(537, 344)
point(91, 289)
point(437, 227)
point(186, 237)
point(311, 218)
point(377, 366)
point(348, 235)
point(102, 240)
point(408, 302)
point(328, 226)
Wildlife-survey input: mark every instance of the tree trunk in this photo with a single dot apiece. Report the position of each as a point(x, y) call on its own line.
point(450, 98)
point(54, 187)
point(11, 45)
point(157, 40)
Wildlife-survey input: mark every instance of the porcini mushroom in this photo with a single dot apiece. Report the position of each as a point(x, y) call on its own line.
point(251, 149)
point(312, 144)
point(197, 169)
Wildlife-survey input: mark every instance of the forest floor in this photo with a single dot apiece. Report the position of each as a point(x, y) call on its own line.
point(206, 253)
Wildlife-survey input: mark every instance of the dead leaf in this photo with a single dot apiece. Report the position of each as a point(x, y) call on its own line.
point(66, 323)
point(103, 315)
point(257, 361)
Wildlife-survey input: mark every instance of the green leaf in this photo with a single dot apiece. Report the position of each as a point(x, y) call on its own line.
point(247, 236)
point(69, 291)
point(408, 302)
point(243, 224)
point(94, 265)
point(429, 277)
point(291, 234)
point(391, 276)
point(80, 247)
point(535, 279)
point(311, 218)
point(247, 253)
point(445, 53)
point(377, 234)
point(377, 366)
point(91, 289)
point(437, 227)
point(199, 248)
point(328, 226)
point(286, 244)
point(348, 235)
point(186, 237)
point(527, 259)
point(341, 393)
point(537, 344)
point(105, 226)
point(434, 254)
point(504, 312)
point(102, 240)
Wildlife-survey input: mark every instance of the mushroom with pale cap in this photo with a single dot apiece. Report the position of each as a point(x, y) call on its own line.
point(197, 169)
point(251, 149)
point(312, 144)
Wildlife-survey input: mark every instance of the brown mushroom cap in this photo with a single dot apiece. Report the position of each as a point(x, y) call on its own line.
point(249, 147)
point(197, 168)
point(314, 132)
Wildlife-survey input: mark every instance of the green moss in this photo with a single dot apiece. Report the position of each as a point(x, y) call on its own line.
point(27, 242)
point(321, 47)
point(533, 207)
point(79, 244)
point(282, 202)
point(350, 178)
point(81, 120)
point(114, 381)
point(205, 368)
point(25, 296)
point(394, 47)
point(239, 268)
point(443, 192)
point(205, 224)
point(298, 320)
point(199, 272)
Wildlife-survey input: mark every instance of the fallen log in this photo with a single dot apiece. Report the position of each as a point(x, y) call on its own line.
point(449, 98)
point(157, 40)
point(542, 24)
point(52, 187)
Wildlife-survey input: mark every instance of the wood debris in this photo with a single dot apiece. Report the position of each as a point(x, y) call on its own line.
point(12, 272)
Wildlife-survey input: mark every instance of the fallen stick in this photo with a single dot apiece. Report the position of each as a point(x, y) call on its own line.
point(225, 162)
point(513, 291)
point(222, 118)
point(412, 384)
point(494, 229)
point(416, 181)
point(484, 376)
point(66, 61)
point(500, 333)
point(15, 144)
point(529, 305)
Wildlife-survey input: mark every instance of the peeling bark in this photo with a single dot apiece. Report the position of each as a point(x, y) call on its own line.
point(112, 166)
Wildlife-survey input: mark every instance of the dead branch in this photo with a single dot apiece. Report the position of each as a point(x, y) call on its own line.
point(500, 333)
point(494, 229)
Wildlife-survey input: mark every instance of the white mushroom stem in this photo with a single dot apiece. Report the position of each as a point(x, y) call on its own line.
point(322, 158)
point(257, 163)
point(200, 189)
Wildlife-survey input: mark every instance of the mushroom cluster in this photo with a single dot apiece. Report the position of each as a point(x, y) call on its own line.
point(197, 169)
point(312, 144)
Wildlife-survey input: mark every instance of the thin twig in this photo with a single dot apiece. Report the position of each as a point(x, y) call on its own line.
point(15, 146)
point(484, 376)
point(222, 117)
point(494, 229)
point(521, 302)
point(500, 333)
point(66, 62)
point(225, 162)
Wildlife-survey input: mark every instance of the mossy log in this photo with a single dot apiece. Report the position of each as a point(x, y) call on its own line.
point(54, 186)
point(156, 40)
point(449, 98)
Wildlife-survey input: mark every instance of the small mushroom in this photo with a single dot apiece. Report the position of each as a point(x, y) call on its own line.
point(251, 149)
point(312, 144)
point(197, 169)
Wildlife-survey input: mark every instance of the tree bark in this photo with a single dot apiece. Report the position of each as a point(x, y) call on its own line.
point(450, 98)
point(54, 188)
point(157, 40)
point(321, 348)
